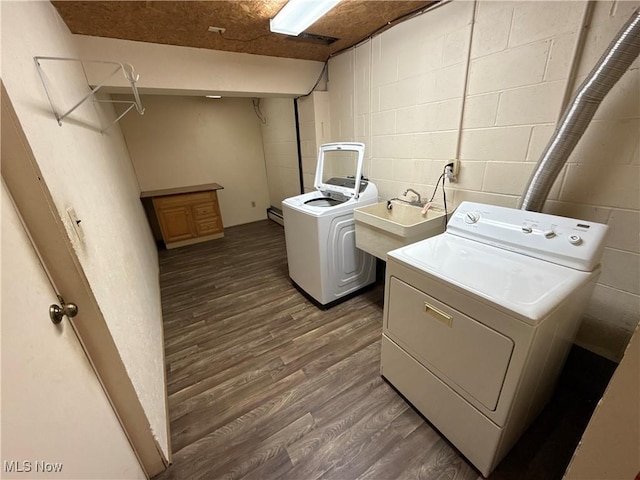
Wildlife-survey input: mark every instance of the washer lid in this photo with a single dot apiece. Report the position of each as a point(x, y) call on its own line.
point(523, 286)
point(340, 160)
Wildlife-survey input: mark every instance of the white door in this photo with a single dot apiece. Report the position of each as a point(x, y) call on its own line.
point(56, 419)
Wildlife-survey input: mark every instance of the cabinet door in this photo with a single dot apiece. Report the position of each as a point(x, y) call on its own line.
point(206, 217)
point(208, 226)
point(176, 223)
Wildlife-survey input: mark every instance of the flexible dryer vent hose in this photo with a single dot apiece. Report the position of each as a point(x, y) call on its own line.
point(617, 58)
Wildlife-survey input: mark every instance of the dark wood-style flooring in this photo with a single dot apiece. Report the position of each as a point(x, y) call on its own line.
point(264, 385)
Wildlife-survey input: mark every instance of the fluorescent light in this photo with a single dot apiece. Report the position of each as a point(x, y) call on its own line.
point(213, 96)
point(298, 15)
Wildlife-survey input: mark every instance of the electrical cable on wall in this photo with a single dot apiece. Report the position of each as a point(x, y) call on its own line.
point(369, 37)
point(259, 114)
point(386, 26)
point(391, 23)
point(324, 69)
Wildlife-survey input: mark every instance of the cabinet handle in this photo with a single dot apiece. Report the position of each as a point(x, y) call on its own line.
point(438, 315)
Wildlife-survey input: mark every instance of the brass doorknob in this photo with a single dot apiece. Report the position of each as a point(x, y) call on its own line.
point(56, 312)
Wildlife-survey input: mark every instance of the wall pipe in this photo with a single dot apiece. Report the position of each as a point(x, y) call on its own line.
point(619, 55)
point(465, 84)
point(299, 143)
point(578, 48)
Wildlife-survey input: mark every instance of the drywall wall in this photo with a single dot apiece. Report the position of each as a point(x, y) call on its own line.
point(402, 95)
point(182, 141)
point(92, 173)
point(278, 125)
point(173, 70)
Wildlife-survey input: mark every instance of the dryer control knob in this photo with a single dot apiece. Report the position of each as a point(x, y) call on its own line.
point(472, 217)
point(575, 239)
point(527, 229)
point(549, 233)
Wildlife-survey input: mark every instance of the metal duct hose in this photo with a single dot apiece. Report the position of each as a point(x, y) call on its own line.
point(617, 58)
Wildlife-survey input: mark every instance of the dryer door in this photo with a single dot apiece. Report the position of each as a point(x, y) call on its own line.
point(465, 354)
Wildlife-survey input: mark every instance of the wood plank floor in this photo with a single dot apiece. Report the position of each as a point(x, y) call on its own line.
point(264, 385)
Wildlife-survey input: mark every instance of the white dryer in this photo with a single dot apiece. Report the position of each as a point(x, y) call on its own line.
point(320, 231)
point(478, 321)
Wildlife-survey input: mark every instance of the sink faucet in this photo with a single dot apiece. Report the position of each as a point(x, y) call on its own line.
point(417, 202)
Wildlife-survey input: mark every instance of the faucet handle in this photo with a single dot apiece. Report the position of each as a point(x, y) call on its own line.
point(413, 191)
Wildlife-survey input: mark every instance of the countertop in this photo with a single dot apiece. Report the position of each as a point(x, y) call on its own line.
point(178, 190)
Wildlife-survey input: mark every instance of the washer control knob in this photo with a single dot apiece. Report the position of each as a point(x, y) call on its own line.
point(527, 229)
point(575, 239)
point(549, 233)
point(472, 217)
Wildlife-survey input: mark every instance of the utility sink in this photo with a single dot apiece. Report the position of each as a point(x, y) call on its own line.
point(380, 229)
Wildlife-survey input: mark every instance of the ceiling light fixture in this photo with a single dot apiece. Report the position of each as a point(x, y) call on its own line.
point(213, 96)
point(298, 15)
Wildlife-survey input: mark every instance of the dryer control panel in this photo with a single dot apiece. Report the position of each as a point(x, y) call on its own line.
point(566, 241)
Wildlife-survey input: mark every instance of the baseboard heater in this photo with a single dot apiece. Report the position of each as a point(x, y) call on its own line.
point(275, 214)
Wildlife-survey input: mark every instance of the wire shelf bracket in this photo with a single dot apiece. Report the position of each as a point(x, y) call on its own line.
point(125, 68)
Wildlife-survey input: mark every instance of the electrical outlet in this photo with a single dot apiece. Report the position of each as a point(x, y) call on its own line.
point(456, 166)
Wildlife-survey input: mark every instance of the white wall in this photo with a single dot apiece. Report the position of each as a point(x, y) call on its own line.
point(173, 70)
point(280, 148)
point(182, 141)
point(92, 173)
point(402, 94)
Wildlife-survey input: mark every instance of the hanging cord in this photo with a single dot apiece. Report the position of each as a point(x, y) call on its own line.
point(444, 199)
point(256, 108)
point(444, 195)
point(433, 195)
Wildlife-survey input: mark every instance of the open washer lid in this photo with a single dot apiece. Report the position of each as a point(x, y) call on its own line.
point(342, 160)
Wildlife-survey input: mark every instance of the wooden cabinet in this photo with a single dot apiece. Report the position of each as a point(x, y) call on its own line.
point(186, 217)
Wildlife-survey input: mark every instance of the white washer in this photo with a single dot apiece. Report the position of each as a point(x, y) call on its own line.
point(320, 231)
point(478, 321)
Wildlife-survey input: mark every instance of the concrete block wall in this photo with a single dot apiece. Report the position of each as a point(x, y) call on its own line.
point(406, 92)
point(280, 148)
point(601, 182)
